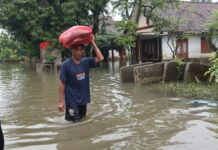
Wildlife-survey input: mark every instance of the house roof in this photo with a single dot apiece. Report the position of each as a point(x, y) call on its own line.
point(194, 15)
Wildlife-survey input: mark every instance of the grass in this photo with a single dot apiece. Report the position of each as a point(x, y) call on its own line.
point(189, 90)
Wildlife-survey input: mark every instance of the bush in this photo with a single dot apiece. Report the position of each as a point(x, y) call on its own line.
point(8, 49)
point(180, 67)
point(8, 54)
point(51, 58)
point(213, 70)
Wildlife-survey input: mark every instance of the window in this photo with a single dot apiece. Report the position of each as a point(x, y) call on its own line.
point(151, 49)
point(204, 46)
point(182, 50)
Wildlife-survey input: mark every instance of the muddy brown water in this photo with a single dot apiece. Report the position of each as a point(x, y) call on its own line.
point(120, 117)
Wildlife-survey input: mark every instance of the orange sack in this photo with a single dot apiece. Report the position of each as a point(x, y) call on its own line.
point(76, 35)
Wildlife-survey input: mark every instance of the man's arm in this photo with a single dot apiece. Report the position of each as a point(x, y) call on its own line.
point(99, 56)
point(61, 96)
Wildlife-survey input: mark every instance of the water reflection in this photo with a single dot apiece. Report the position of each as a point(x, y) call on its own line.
point(121, 116)
point(203, 137)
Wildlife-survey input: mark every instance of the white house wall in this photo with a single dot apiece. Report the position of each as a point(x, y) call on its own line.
point(166, 52)
point(194, 48)
point(142, 21)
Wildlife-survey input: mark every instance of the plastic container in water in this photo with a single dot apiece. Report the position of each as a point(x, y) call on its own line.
point(205, 102)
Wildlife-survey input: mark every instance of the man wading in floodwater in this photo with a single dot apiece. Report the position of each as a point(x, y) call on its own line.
point(74, 82)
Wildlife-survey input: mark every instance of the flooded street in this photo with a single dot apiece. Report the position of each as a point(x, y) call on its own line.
point(120, 117)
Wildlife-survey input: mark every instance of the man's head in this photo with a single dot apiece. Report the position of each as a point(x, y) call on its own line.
point(77, 51)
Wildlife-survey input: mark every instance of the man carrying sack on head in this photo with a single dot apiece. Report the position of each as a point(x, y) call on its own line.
point(74, 88)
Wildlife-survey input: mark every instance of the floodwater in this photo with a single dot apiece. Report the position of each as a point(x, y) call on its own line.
point(120, 117)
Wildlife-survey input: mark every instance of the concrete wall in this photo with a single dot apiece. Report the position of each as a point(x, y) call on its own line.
point(166, 71)
point(126, 72)
point(170, 72)
point(44, 53)
point(47, 65)
point(148, 73)
point(194, 72)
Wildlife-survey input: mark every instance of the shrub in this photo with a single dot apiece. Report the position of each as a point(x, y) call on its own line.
point(213, 70)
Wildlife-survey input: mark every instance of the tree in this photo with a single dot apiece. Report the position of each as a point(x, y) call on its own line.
point(213, 70)
point(153, 10)
point(105, 43)
point(32, 21)
point(35, 21)
point(97, 8)
point(164, 21)
point(9, 49)
point(213, 34)
point(125, 7)
point(213, 31)
point(126, 41)
point(169, 22)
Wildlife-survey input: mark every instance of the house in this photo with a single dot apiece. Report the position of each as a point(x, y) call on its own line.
point(193, 17)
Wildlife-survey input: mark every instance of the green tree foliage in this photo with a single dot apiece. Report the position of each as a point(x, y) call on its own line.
point(180, 68)
point(213, 31)
point(32, 21)
point(35, 21)
point(127, 40)
point(9, 49)
point(213, 34)
point(105, 43)
point(97, 8)
point(163, 20)
point(213, 70)
point(153, 10)
point(125, 7)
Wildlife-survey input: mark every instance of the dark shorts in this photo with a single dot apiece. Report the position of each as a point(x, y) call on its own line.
point(76, 113)
point(1, 138)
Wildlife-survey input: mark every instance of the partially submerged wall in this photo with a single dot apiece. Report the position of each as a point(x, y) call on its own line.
point(127, 74)
point(165, 71)
point(195, 72)
point(148, 73)
point(170, 72)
